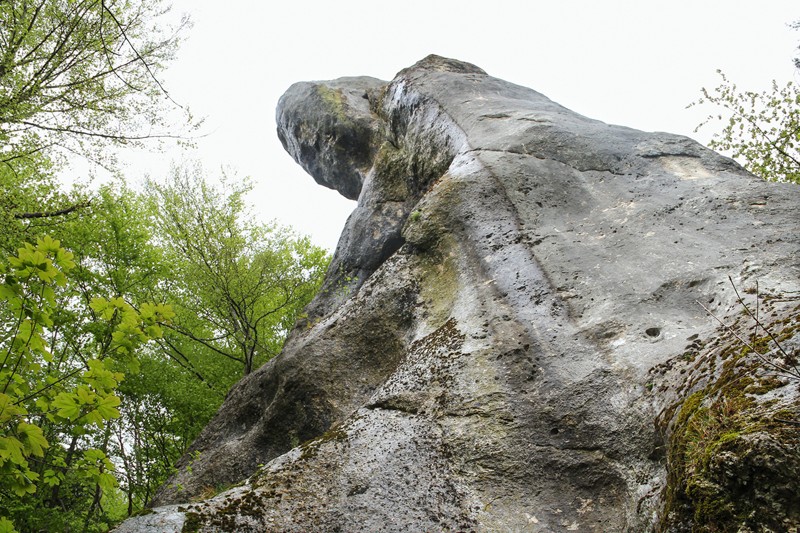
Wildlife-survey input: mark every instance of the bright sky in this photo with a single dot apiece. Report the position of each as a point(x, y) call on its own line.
point(631, 62)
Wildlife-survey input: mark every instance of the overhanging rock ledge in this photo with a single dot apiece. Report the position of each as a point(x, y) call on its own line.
point(510, 336)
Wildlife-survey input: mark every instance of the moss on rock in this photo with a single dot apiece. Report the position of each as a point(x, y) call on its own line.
point(734, 451)
point(334, 98)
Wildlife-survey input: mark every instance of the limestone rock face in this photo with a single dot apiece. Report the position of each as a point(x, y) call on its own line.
point(511, 336)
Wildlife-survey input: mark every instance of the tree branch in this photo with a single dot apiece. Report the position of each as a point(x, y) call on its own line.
point(136, 52)
point(50, 214)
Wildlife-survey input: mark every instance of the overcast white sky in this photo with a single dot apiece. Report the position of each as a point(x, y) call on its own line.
point(636, 63)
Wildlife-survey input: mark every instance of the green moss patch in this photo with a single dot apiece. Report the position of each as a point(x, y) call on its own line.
point(334, 99)
point(192, 523)
point(734, 453)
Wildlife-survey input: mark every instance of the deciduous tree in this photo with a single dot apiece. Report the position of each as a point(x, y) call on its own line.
point(62, 357)
point(760, 128)
point(78, 74)
point(238, 285)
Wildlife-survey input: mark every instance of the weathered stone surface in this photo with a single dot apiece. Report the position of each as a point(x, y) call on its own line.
point(338, 147)
point(510, 337)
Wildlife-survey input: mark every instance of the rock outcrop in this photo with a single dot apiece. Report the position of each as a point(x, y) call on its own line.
point(518, 331)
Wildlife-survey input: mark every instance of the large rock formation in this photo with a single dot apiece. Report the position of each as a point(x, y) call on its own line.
point(512, 335)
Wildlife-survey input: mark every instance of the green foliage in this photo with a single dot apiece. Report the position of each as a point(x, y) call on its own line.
point(26, 187)
point(89, 318)
point(761, 128)
point(81, 447)
point(51, 393)
point(237, 285)
point(164, 407)
point(78, 74)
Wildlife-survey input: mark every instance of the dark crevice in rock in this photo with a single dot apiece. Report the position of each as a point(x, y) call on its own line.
point(392, 404)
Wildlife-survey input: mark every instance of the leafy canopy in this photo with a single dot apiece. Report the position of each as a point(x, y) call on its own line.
point(119, 345)
point(78, 74)
point(237, 285)
point(762, 128)
point(61, 360)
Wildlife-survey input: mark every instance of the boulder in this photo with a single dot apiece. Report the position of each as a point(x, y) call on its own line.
point(534, 321)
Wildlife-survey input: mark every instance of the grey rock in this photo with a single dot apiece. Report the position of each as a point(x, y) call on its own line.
point(338, 147)
point(510, 337)
point(165, 520)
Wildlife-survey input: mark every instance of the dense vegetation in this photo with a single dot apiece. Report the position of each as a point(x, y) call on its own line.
point(125, 316)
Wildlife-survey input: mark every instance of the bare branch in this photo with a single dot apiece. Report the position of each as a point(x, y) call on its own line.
point(136, 52)
point(793, 372)
point(755, 318)
point(50, 214)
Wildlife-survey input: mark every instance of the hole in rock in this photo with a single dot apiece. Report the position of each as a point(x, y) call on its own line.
point(554, 431)
point(653, 332)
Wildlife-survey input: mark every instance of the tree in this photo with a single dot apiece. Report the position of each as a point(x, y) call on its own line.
point(27, 188)
point(761, 128)
point(114, 260)
point(101, 387)
point(116, 254)
point(237, 285)
point(164, 407)
point(61, 360)
point(77, 74)
point(173, 382)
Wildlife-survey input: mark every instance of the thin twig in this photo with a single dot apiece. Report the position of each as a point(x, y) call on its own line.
point(792, 372)
point(768, 332)
point(136, 52)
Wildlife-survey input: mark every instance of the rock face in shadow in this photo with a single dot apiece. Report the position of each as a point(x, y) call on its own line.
point(511, 336)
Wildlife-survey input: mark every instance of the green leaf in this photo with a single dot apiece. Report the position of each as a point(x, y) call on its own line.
point(51, 478)
point(153, 332)
point(32, 438)
point(106, 481)
point(48, 245)
point(8, 409)
point(94, 417)
point(93, 455)
point(64, 259)
point(102, 307)
point(84, 395)
point(22, 482)
point(67, 406)
point(147, 311)
point(107, 407)
point(11, 450)
point(6, 526)
point(7, 292)
point(99, 377)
